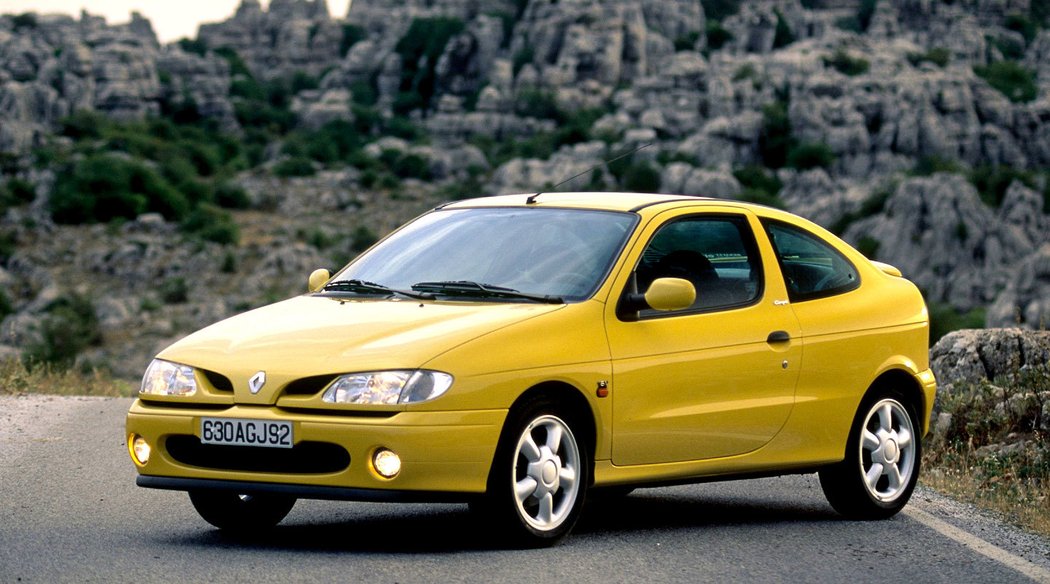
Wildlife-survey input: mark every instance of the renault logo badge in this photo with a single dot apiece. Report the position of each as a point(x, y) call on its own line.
point(257, 382)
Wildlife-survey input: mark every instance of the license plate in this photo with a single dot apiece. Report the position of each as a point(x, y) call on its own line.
point(236, 432)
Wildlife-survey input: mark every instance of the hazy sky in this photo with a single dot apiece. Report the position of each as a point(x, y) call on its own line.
point(172, 19)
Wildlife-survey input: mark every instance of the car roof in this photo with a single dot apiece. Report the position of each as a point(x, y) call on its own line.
point(606, 201)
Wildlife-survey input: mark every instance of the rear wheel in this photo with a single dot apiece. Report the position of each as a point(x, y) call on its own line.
point(539, 478)
point(882, 462)
point(241, 512)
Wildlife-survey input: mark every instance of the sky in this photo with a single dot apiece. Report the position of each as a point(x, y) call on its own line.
point(171, 19)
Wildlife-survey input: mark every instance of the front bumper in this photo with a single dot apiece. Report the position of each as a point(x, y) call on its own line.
point(442, 453)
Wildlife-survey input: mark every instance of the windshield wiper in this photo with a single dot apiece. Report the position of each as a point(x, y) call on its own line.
point(479, 290)
point(366, 287)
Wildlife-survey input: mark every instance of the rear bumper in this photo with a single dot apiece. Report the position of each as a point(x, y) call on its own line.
point(929, 392)
point(441, 452)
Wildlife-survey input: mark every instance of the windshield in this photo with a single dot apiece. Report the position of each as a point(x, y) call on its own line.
point(562, 254)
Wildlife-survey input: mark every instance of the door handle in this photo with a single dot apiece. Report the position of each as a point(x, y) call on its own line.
point(778, 337)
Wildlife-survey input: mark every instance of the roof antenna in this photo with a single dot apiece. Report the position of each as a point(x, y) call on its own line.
point(532, 198)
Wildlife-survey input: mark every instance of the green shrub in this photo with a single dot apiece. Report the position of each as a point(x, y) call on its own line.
point(869, 246)
point(1011, 79)
point(874, 204)
point(411, 166)
point(70, 326)
point(641, 177)
point(775, 139)
point(404, 128)
point(211, 223)
point(229, 263)
point(992, 182)
point(364, 93)
point(944, 318)
point(195, 46)
point(939, 56)
point(686, 42)
point(865, 12)
point(536, 103)
point(720, 9)
point(928, 165)
point(1020, 23)
point(362, 238)
point(174, 290)
point(16, 192)
point(231, 196)
point(782, 36)
point(809, 155)
point(352, 34)
point(717, 35)
point(83, 125)
point(758, 178)
point(302, 81)
point(237, 65)
point(294, 166)
point(522, 58)
point(420, 48)
point(846, 64)
point(26, 20)
point(6, 308)
point(101, 188)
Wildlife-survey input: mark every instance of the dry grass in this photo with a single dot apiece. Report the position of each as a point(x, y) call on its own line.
point(992, 449)
point(17, 379)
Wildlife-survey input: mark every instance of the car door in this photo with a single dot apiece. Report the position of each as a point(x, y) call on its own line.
point(718, 378)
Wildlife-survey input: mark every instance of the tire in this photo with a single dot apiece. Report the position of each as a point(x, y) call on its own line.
point(539, 478)
point(883, 456)
point(235, 512)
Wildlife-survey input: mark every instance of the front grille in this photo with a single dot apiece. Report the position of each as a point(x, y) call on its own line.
point(308, 385)
point(303, 458)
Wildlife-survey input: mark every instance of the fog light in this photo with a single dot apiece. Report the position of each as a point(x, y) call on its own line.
point(140, 449)
point(386, 463)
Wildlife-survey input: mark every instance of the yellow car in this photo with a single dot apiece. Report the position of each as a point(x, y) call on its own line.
point(520, 352)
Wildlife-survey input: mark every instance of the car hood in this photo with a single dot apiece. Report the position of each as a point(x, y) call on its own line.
point(314, 336)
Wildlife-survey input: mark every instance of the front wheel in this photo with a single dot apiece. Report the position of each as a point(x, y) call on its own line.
point(540, 475)
point(881, 467)
point(241, 513)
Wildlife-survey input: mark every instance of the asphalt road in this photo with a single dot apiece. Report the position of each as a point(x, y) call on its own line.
point(71, 513)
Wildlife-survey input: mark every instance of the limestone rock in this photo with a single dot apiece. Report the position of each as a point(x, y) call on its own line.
point(974, 355)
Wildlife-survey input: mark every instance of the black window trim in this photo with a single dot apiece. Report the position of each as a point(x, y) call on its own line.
point(805, 297)
point(750, 245)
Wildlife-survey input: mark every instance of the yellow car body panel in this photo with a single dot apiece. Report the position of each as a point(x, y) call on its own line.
point(680, 398)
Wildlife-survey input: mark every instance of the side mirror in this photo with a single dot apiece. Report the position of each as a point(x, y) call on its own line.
point(318, 278)
point(670, 294)
point(663, 294)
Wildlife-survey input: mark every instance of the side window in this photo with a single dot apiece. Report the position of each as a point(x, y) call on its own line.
point(716, 253)
point(811, 267)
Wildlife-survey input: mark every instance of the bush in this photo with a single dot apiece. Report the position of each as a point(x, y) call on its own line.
point(928, 165)
point(775, 139)
point(720, 9)
point(846, 64)
point(869, 246)
point(231, 196)
point(522, 58)
point(939, 56)
point(295, 166)
point(364, 94)
point(362, 238)
point(26, 20)
point(641, 177)
point(352, 34)
point(101, 188)
point(195, 46)
point(992, 182)
point(70, 326)
point(944, 318)
point(1011, 79)
point(411, 166)
point(686, 42)
point(1020, 23)
point(16, 192)
point(782, 36)
point(420, 49)
point(865, 12)
point(174, 290)
point(717, 36)
point(874, 204)
point(211, 223)
point(6, 308)
point(809, 155)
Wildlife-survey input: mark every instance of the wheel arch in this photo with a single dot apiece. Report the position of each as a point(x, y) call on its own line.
point(903, 383)
point(570, 397)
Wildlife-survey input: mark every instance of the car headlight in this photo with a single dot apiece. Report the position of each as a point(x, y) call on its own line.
point(167, 378)
point(388, 387)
